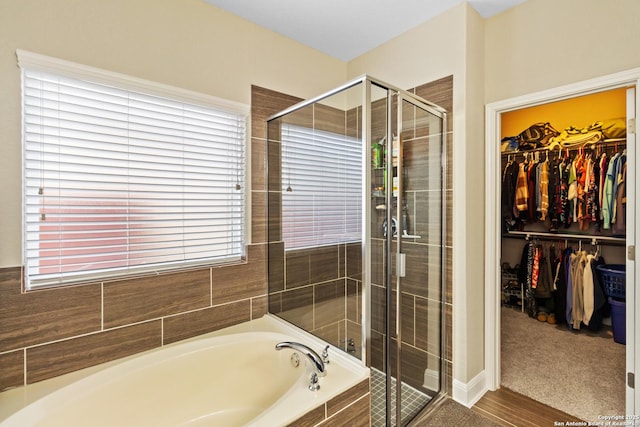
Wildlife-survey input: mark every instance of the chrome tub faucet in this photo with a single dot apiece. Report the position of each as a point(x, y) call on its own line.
point(319, 369)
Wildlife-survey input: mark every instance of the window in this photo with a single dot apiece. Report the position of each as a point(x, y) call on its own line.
point(121, 180)
point(322, 187)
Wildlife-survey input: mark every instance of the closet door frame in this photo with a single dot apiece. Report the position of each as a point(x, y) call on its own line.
point(493, 111)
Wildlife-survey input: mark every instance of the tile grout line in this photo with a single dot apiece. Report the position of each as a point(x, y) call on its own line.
point(102, 306)
point(24, 367)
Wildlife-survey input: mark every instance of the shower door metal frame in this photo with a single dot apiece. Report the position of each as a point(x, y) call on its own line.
point(441, 113)
point(403, 96)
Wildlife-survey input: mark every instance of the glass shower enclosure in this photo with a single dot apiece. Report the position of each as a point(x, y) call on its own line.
point(356, 234)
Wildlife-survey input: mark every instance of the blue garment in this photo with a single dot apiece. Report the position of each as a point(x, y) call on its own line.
point(608, 192)
point(617, 179)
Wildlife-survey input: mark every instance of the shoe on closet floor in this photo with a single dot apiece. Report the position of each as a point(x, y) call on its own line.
point(542, 316)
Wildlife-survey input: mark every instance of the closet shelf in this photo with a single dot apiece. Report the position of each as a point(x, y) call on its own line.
point(604, 142)
point(595, 240)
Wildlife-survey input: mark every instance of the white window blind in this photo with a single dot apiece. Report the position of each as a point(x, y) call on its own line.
point(322, 187)
point(117, 181)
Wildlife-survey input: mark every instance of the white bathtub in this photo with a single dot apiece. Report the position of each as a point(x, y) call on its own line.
point(232, 377)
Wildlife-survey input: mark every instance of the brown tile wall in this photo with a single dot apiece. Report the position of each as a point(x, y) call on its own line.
point(350, 408)
point(311, 287)
point(51, 332)
point(317, 295)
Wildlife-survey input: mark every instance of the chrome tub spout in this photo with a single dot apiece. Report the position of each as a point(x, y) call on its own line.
point(319, 369)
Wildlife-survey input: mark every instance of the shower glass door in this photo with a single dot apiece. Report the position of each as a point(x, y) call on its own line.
point(406, 214)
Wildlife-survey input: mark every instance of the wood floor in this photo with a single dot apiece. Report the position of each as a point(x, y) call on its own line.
point(508, 408)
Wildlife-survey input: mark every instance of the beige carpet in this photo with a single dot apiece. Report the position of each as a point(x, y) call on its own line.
point(580, 373)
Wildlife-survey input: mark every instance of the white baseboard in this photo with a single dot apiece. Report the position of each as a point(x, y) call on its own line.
point(469, 393)
point(431, 379)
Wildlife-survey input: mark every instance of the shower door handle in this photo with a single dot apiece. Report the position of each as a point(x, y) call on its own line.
point(401, 264)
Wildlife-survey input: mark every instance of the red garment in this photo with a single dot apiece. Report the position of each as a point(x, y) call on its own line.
point(535, 271)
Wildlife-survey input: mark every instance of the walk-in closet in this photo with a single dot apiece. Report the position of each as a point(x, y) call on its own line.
point(563, 199)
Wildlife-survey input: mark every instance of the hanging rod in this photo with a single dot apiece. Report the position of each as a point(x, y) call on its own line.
point(559, 236)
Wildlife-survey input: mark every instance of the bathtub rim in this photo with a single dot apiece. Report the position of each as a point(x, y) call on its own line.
point(14, 400)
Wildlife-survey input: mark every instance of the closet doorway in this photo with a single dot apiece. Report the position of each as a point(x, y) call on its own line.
point(506, 247)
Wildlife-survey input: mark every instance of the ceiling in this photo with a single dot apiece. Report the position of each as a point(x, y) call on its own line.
point(346, 29)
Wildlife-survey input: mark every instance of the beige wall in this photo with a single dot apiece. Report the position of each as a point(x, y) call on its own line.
point(451, 44)
point(184, 43)
point(469, 361)
point(543, 44)
point(423, 54)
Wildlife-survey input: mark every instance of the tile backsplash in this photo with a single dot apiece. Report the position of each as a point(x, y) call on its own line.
point(51, 332)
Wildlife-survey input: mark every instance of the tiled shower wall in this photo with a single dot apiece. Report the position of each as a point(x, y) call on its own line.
point(316, 288)
point(322, 283)
point(319, 289)
point(321, 292)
